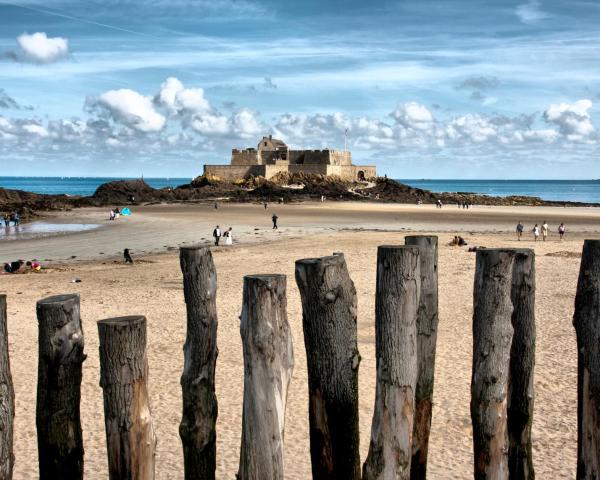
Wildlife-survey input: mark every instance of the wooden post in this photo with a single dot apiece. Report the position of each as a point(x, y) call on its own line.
point(492, 339)
point(587, 326)
point(396, 306)
point(268, 366)
point(130, 438)
point(7, 400)
point(522, 361)
point(427, 325)
point(197, 428)
point(329, 307)
point(60, 341)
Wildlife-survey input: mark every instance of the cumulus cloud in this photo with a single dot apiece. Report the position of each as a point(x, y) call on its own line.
point(413, 116)
point(129, 108)
point(39, 48)
point(572, 119)
point(531, 12)
point(180, 100)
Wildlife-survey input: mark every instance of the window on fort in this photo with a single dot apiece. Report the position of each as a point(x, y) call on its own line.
point(265, 144)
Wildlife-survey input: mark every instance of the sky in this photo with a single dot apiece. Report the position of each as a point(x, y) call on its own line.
point(487, 89)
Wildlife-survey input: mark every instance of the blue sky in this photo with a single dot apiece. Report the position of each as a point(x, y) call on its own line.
point(425, 89)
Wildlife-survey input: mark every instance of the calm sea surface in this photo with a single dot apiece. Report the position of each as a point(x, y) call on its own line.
point(560, 190)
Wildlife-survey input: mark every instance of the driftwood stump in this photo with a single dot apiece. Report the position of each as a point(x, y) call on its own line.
point(492, 339)
point(427, 325)
point(130, 438)
point(60, 340)
point(7, 400)
point(268, 366)
point(587, 326)
point(522, 361)
point(329, 308)
point(197, 428)
point(396, 306)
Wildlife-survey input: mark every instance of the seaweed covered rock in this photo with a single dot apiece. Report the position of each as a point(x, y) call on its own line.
point(123, 191)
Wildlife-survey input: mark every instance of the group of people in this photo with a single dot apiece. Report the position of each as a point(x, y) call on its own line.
point(217, 234)
point(12, 217)
point(114, 214)
point(17, 266)
point(537, 231)
point(465, 204)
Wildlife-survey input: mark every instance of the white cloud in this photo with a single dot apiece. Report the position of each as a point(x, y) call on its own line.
point(39, 48)
point(246, 124)
point(129, 108)
point(572, 119)
point(210, 125)
point(413, 116)
point(180, 100)
point(531, 12)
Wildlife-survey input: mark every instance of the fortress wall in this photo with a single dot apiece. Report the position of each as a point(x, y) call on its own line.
point(309, 157)
point(234, 172)
point(340, 157)
point(245, 157)
point(350, 172)
point(271, 170)
point(317, 169)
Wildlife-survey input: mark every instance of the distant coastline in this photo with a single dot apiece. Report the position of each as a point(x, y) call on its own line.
point(552, 190)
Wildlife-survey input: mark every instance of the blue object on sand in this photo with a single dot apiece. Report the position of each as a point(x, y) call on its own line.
point(126, 211)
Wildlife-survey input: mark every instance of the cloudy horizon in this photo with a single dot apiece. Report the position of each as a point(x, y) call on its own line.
point(458, 89)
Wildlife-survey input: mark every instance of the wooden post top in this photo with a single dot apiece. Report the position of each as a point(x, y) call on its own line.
point(59, 299)
point(121, 322)
point(192, 248)
point(335, 259)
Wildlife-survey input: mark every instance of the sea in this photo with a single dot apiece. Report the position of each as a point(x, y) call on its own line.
point(558, 190)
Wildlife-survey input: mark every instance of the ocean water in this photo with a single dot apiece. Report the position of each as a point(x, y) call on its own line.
point(77, 185)
point(559, 190)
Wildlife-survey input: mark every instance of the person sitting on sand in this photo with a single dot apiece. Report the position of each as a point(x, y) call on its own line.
point(35, 266)
point(561, 231)
point(544, 230)
point(13, 267)
point(519, 230)
point(127, 256)
point(536, 232)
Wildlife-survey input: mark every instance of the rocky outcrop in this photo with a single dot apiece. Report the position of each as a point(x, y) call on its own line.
point(289, 187)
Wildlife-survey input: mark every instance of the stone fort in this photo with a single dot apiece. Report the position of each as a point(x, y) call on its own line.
point(273, 156)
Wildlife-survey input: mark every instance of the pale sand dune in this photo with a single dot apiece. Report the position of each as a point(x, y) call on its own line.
point(153, 287)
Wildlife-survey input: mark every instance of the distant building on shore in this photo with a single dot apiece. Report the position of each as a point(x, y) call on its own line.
point(272, 156)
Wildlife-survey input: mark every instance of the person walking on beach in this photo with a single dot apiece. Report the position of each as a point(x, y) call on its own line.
point(6, 220)
point(127, 256)
point(217, 235)
point(544, 230)
point(561, 231)
point(265, 205)
point(536, 232)
point(228, 237)
point(519, 230)
point(216, 206)
point(274, 219)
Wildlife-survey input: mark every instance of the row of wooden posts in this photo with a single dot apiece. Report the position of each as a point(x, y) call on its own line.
point(406, 328)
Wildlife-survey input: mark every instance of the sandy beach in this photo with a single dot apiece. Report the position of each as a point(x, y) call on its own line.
point(153, 287)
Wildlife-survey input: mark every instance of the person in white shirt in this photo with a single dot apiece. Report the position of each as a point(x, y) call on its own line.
point(544, 230)
point(217, 235)
point(536, 232)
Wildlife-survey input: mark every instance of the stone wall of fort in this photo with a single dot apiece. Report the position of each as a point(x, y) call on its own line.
point(234, 172)
point(245, 157)
point(340, 157)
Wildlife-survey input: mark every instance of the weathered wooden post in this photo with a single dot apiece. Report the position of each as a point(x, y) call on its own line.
point(587, 326)
point(60, 343)
point(130, 438)
point(522, 361)
point(329, 308)
point(268, 366)
point(396, 306)
point(427, 325)
point(492, 339)
point(7, 400)
point(197, 428)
